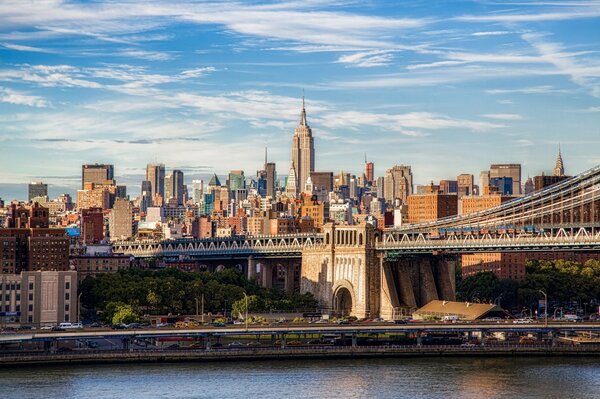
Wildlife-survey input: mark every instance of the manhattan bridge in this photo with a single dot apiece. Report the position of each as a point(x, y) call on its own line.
point(359, 270)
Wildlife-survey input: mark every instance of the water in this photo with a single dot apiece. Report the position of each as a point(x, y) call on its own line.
point(467, 378)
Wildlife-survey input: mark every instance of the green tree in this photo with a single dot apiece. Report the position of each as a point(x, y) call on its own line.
point(125, 314)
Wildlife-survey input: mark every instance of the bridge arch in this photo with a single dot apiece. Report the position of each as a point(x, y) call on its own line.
point(343, 298)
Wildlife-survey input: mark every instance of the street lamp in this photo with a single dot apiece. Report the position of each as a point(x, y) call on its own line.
point(246, 318)
point(79, 307)
point(545, 308)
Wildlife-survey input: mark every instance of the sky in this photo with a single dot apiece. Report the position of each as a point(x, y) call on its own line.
point(448, 87)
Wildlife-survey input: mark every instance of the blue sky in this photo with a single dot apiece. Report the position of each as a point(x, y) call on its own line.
point(447, 86)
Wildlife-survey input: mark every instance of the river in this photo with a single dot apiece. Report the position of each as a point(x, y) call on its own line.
point(488, 378)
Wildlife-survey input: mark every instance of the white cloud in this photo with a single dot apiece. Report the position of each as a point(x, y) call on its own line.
point(15, 97)
point(544, 89)
point(581, 13)
point(367, 59)
point(197, 72)
point(411, 124)
point(505, 117)
point(20, 47)
point(583, 72)
point(491, 33)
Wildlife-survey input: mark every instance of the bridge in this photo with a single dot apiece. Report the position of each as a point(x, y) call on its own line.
point(358, 270)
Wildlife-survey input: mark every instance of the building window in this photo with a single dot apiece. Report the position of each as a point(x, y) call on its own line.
point(30, 319)
point(67, 285)
point(17, 309)
point(66, 317)
point(67, 307)
point(31, 296)
point(67, 296)
point(30, 307)
point(30, 286)
point(18, 297)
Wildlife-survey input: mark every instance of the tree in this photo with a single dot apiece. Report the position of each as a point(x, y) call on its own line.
point(125, 314)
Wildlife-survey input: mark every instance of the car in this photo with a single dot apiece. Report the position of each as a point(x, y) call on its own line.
point(64, 349)
point(253, 343)
point(238, 322)
point(46, 328)
point(57, 328)
point(218, 324)
point(523, 321)
point(400, 321)
point(235, 344)
point(343, 321)
point(467, 345)
point(119, 327)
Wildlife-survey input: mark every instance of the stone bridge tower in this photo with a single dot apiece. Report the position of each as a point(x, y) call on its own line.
point(349, 276)
point(343, 273)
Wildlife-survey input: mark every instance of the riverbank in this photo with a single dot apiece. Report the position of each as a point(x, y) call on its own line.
point(155, 356)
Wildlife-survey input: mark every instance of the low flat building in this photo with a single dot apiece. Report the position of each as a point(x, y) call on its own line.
point(463, 310)
point(94, 265)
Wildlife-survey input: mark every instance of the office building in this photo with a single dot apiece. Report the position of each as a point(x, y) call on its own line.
point(512, 170)
point(37, 189)
point(39, 298)
point(398, 183)
point(96, 174)
point(120, 222)
point(303, 152)
point(431, 207)
point(155, 174)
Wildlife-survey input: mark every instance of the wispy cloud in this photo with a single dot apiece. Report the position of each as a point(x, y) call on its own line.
point(585, 73)
point(543, 89)
point(504, 117)
point(15, 97)
point(367, 59)
point(20, 47)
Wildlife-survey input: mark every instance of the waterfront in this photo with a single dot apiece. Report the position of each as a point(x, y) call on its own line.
point(503, 377)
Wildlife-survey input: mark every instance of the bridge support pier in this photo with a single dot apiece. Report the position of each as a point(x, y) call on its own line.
point(251, 271)
point(445, 269)
point(428, 288)
point(388, 293)
point(266, 275)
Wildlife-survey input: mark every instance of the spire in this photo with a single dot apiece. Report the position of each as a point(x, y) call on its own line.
point(559, 169)
point(265, 157)
point(303, 113)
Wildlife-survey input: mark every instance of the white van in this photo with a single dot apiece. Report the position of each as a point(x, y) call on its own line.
point(70, 326)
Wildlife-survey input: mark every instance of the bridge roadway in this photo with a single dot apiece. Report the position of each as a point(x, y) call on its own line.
point(563, 327)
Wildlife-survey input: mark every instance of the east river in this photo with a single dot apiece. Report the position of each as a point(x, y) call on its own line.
point(488, 378)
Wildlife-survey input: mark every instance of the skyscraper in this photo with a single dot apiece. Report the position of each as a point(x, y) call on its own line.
point(37, 189)
point(398, 183)
point(369, 174)
point(303, 151)
point(97, 174)
point(174, 187)
point(155, 174)
point(271, 177)
point(559, 169)
point(120, 222)
point(512, 170)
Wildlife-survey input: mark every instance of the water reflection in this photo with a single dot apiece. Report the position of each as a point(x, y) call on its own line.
point(446, 378)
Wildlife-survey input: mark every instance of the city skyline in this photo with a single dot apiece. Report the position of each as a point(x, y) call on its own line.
point(416, 84)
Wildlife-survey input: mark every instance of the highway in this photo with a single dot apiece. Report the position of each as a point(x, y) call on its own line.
point(283, 329)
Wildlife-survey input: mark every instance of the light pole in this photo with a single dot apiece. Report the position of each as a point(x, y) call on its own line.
point(246, 318)
point(545, 308)
point(196, 307)
point(79, 307)
point(203, 308)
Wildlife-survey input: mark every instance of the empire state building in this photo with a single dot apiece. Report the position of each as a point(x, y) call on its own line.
point(303, 151)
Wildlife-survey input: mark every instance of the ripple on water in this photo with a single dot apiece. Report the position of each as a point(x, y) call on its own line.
point(465, 378)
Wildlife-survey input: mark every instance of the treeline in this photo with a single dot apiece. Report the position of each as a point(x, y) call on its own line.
point(177, 292)
point(563, 281)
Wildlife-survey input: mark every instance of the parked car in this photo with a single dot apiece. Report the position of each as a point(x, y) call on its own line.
point(523, 321)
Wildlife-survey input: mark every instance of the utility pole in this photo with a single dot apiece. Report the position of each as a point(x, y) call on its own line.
point(545, 308)
point(246, 318)
point(203, 307)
